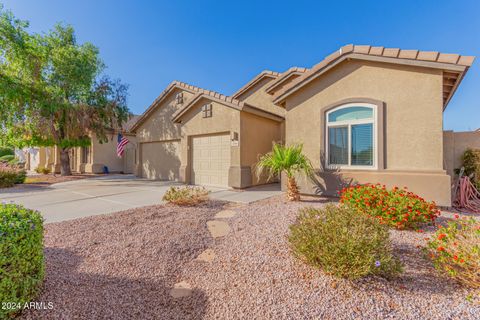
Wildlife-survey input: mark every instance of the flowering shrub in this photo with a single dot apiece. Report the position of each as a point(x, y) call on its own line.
point(455, 250)
point(186, 196)
point(21, 256)
point(398, 208)
point(10, 175)
point(343, 243)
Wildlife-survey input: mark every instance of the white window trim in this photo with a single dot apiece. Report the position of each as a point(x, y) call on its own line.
point(349, 124)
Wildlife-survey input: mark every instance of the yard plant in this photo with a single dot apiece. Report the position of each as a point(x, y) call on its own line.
point(11, 175)
point(53, 89)
point(186, 196)
point(289, 160)
point(343, 243)
point(22, 265)
point(398, 208)
point(455, 250)
point(42, 170)
point(471, 164)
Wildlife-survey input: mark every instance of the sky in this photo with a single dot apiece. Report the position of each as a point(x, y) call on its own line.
point(221, 45)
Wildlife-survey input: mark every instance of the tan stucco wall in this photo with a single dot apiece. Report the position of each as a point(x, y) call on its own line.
point(454, 145)
point(224, 120)
point(413, 138)
point(159, 126)
point(256, 96)
point(257, 136)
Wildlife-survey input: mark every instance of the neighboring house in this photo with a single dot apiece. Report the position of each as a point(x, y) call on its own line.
point(364, 114)
point(90, 159)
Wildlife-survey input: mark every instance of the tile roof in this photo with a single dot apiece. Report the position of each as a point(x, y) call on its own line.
point(284, 76)
point(447, 60)
point(228, 101)
point(255, 80)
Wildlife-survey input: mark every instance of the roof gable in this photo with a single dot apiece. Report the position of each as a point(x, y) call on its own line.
point(169, 89)
point(259, 77)
point(454, 65)
point(285, 78)
point(226, 101)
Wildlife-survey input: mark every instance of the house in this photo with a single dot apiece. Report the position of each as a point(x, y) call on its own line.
point(90, 159)
point(363, 114)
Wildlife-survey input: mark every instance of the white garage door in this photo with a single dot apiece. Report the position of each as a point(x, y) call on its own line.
point(211, 160)
point(161, 160)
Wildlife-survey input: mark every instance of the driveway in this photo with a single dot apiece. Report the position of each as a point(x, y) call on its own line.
point(94, 196)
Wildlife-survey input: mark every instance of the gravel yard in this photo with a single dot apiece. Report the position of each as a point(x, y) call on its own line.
point(123, 266)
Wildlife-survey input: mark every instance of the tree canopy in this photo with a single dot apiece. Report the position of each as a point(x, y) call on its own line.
point(52, 89)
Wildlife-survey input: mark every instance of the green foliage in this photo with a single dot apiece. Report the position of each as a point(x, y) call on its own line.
point(455, 251)
point(4, 151)
point(471, 163)
point(397, 208)
point(186, 196)
point(11, 175)
point(343, 243)
point(288, 159)
point(7, 158)
point(42, 170)
point(22, 265)
point(52, 90)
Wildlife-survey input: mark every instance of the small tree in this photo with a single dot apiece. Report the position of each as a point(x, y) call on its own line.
point(287, 159)
point(52, 91)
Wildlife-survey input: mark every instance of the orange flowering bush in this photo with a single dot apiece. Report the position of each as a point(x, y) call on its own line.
point(398, 208)
point(455, 250)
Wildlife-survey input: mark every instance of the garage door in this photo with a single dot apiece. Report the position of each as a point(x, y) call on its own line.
point(211, 160)
point(161, 160)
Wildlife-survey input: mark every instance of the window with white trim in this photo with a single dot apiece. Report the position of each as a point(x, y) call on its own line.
point(351, 136)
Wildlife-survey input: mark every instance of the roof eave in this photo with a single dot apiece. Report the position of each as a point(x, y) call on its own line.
point(358, 56)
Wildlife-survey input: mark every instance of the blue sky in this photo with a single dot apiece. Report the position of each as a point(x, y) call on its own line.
point(220, 45)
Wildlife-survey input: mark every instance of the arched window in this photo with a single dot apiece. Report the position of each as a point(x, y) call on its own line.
point(351, 136)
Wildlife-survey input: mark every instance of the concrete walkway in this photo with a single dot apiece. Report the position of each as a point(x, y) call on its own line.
point(94, 196)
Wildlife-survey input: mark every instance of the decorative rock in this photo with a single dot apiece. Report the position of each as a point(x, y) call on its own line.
point(181, 290)
point(218, 228)
point(225, 214)
point(206, 256)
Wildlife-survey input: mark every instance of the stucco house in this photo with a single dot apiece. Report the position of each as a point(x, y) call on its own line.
point(364, 114)
point(89, 159)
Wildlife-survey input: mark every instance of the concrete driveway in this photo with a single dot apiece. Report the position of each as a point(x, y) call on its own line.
point(94, 196)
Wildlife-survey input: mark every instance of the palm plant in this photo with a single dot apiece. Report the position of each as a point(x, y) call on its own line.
point(288, 159)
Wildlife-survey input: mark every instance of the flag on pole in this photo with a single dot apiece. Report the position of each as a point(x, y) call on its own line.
point(121, 143)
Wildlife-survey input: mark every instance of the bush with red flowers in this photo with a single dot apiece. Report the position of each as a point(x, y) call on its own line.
point(455, 250)
point(398, 208)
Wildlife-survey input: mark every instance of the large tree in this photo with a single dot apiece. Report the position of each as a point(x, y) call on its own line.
point(53, 90)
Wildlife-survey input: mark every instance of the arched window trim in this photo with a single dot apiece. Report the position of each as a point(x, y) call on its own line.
point(373, 120)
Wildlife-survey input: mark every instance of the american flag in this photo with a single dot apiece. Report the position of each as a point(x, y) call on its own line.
point(122, 142)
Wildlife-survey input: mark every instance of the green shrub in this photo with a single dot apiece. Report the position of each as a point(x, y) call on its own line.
point(186, 196)
point(10, 175)
point(343, 243)
point(397, 208)
point(6, 151)
point(455, 251)
point(7, 158)
point(43, 170)
point(471, 163)
point(22, 265)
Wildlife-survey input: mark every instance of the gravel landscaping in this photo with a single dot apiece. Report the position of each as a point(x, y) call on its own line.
point(123, 266)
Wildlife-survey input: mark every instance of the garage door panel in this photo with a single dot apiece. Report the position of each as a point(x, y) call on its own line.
point(161, 160)
point(211, 160)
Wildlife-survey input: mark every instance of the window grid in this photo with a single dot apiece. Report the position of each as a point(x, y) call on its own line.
point(207, 110)
point(349, 124)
